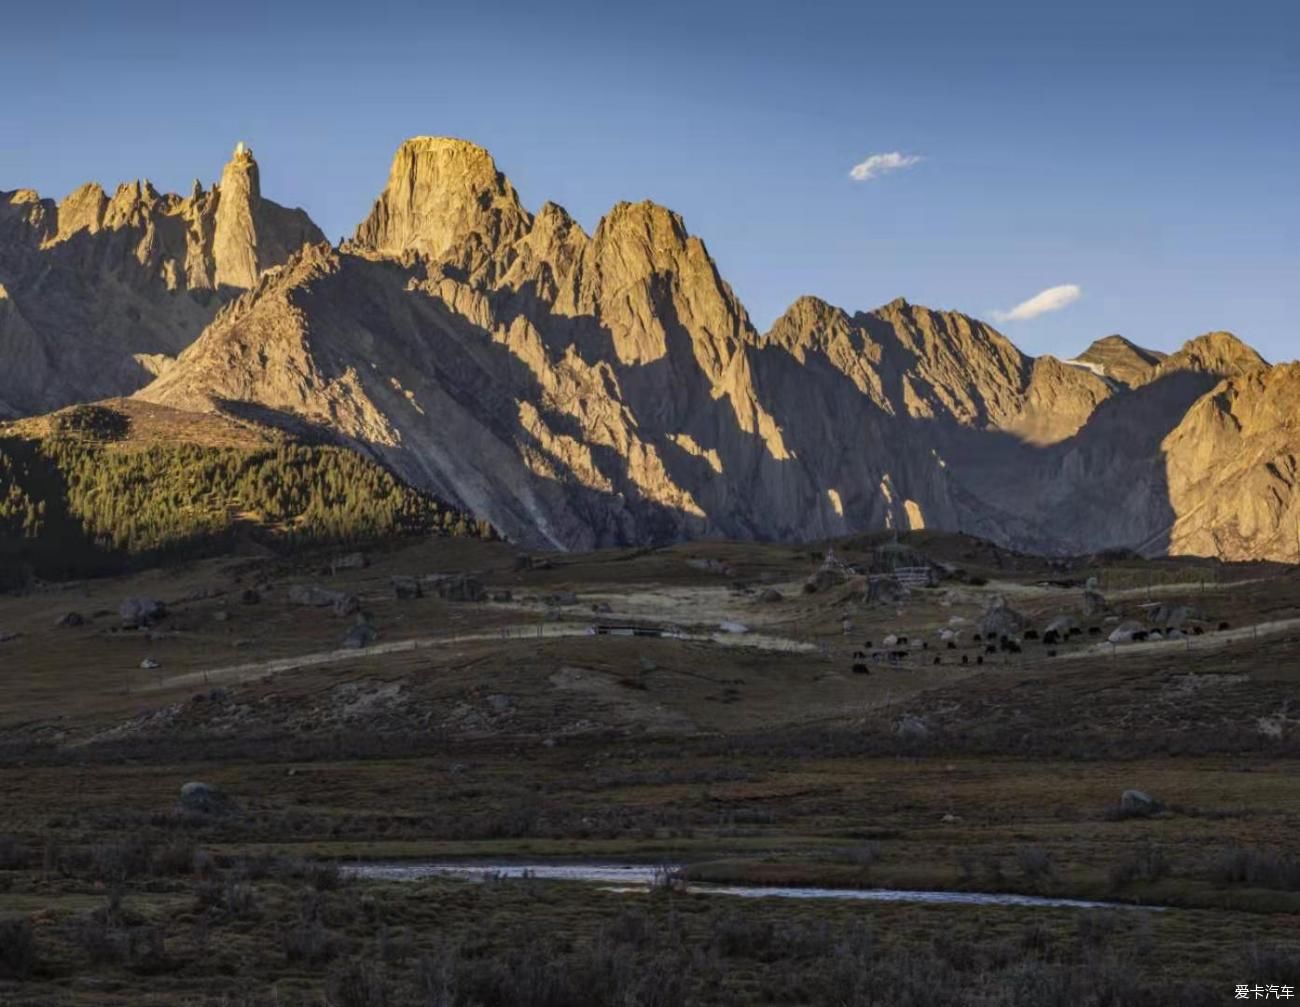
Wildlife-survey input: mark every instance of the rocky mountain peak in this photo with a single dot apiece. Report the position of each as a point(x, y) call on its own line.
point(82, 210)
point(1218, 353)
point(107, 289)
point(808, 322)
point(1117, 359)
point(445, 199)
point(234, 242)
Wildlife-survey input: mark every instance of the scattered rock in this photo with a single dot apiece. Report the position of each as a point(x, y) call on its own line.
point(1000, 619)
point(1138, 802)
point(912, 727)
point(1128, 632)
point(560, 599)
point(502, 596)
point(407, 588)
point(137, 612)
point(1175, 616)
point(500, 704)
point(71, 619)
point(221, 615)
point(349, 561)
point(5, 637)
point(770, 595)
point(149, 664)
point(1062, 626)
point(458, 587)
point(205, 799)
point(602, 608)
point(727, 626)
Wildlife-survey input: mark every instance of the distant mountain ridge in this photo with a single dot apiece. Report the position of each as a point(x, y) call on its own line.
point(98, 292)
point(579, 390)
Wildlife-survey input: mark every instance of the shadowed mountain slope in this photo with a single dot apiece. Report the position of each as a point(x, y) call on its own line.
point(579, 390)
point(98, 293)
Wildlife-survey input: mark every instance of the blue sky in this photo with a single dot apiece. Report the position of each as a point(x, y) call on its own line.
point(1147, 153)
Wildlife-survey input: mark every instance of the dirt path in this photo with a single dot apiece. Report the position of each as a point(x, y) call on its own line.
point(532, 631)
point(1011, 589)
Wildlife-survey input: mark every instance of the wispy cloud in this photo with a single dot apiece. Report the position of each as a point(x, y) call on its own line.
point(1051, 299)
point(881, 164)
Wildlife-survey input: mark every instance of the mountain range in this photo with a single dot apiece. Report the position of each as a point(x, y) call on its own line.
point(582, 390)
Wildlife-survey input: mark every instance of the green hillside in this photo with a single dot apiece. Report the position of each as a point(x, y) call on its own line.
point(88, 493)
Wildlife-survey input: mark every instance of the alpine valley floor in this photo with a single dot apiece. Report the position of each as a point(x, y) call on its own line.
point(727, 718)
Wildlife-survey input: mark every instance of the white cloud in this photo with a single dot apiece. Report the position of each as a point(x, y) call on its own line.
point(881, 164)
point(1051, 299)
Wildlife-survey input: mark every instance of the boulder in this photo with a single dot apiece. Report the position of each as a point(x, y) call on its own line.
point(728, 626)
point(360, 636)
point(340, 602)
point(1127, 632)
point(149, 664)
point(825, 578)
point(709, 565)
point(1175, 616)
point(770, 595)
point(71, 619)
point(459, 587)
point(1138, 802)
point(205, 799)
point(502, 596)
point(5, 637)
point(407, 588)
point(560, 599)
point(1061, 625)
point(141, 611)
point(349, 561)
point(1000, 619)
point(251, 596)
point(345, 605)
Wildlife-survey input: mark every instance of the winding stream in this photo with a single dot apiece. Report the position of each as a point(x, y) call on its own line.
point(639, 878)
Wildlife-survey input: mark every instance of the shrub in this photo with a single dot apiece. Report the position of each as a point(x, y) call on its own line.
point(1035, 864)
point(1147, 863)
point(1246, 865)
point(308, 941)
point(357, 983)
point(17, 948)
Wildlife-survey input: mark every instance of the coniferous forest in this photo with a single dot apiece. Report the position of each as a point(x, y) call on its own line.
point(83, 501)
